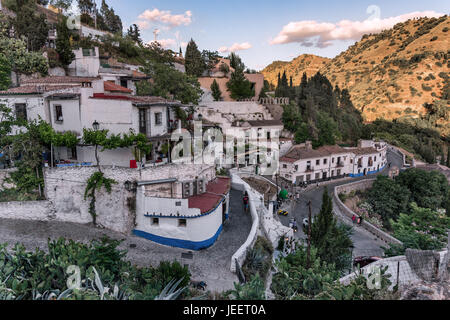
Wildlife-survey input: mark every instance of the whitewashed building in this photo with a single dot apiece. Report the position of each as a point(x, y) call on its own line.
point(303, 164)
point(71, 104)
point(185, 210)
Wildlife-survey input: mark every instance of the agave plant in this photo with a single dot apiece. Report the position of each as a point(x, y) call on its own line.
point(170, 292)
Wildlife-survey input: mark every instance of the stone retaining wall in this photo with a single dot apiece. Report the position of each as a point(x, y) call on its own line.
point(361, 185)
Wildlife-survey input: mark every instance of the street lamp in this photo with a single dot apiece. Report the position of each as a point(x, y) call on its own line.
point(96, 125)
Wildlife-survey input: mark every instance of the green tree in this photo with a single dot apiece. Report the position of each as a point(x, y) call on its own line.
point(421, 228)
point(112, 22)
point(171, 83)
point(194, 62)
point(63, 47)
point(236, 62)
point(215, 91)
point(5, 73)
point(30, 25)
point(20, 59)
point(134, 33)
point(428, 189)
point(388, 199)
point(239, 87)
point(332, 241)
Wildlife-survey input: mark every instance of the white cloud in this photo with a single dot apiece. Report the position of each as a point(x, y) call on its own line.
point(165, 17)
point(327, 32)
point(235, 47)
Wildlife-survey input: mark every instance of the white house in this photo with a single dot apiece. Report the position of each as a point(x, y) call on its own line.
point(186, 210)
point(74, 103)
point(303, 164)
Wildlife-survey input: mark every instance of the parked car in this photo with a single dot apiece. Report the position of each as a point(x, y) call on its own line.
point(364, 261)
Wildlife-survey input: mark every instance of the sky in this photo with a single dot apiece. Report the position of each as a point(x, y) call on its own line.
point(263, 31)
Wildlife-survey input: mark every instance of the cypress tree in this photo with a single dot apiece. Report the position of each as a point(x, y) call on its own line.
point(215, 90)
point(66, 55)
point(194, 62)
point(331, 241)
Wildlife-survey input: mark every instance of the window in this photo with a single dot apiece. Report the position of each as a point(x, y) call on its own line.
point(332, 160)
point(124, 83)
point(58, 113)
point(308, 177)
point(158, 118)
point(182, 223)
point(178, 204)
point(155, 222)
point(317, 162)
point(21, 111)
point(317, 176)
point(142, 121)
point(296, 168)
point(325, 161)
point(339, 172)
point(284, 166)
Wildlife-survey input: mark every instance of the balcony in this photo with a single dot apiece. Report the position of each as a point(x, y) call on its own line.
point(340, 164)
point(309, 169)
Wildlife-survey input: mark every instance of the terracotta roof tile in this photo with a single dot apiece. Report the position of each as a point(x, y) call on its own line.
point(112, 87)
point(209, 200)
point(301, 152)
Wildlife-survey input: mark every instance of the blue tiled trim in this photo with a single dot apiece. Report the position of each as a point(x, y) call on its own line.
point(185, 244)
point(188, 217)
point(358, 175)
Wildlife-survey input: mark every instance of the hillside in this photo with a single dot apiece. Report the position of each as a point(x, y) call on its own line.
point(308, 63)
point(390, 74)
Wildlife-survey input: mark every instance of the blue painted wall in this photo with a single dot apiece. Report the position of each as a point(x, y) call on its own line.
point(185, 244)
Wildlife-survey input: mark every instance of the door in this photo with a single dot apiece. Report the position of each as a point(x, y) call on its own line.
point(143, 121)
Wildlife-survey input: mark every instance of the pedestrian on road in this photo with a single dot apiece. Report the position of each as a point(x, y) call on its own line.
point(354, 218)
point(246, 200)
point(360, 220)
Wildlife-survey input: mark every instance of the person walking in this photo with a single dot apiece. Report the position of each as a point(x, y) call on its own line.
point(354, 218)
point(246, 201)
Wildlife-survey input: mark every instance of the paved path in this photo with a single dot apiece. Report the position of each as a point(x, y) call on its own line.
point(364, 242)
point(211, 265)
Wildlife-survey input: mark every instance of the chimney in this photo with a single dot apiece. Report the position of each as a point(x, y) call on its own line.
point(308, 145)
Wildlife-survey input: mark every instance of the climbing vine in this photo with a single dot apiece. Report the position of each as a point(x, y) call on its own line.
point(94, 184)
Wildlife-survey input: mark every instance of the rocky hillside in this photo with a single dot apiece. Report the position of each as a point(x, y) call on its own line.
point(308, 63)
point(389, 74)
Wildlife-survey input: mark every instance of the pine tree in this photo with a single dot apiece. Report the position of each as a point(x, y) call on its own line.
point(239, 86)
point(194, 63)
point(215, 90)
point(134, 33)
point(66, 55)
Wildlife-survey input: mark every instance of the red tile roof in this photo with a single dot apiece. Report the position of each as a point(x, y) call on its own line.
point(209, 200)
point(112, 87)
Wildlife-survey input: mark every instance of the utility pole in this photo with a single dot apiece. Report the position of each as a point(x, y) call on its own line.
point(308, 253)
